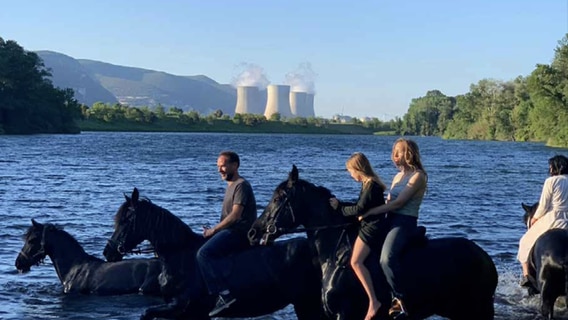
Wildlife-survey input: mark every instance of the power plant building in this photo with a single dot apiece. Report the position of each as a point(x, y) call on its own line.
point(248, 100)
point(279, 99)
point(309, 106)
point(298, 103)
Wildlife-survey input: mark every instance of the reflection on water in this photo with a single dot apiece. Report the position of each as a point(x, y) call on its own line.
point(475, 190)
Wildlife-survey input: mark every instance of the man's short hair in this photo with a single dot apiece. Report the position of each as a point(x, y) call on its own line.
point(232, 156)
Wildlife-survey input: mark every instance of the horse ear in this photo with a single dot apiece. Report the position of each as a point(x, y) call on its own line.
point(293, 176)
point(35, 223)
point(525, 207)
point(135, 196)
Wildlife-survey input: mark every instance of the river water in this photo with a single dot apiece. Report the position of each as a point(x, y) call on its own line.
point(77, 181)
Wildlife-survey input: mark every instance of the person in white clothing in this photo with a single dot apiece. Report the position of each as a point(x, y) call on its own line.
point(552, 211)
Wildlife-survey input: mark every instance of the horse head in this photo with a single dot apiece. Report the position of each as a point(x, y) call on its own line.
point(295, 202)
point(139, 219)
point(34, 250)
point(128, 228)
point(529, 213)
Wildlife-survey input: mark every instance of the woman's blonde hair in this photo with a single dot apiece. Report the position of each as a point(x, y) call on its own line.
point(359, 162)
point(411, 154)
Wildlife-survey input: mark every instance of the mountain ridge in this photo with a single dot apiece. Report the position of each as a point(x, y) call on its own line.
point(97, 81)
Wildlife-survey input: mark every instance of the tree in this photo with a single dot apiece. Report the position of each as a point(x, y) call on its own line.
point(160, 111)
point(218, 113)
point(429, 115)
point(29, 103)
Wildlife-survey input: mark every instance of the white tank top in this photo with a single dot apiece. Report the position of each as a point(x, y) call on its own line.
point(412, 206)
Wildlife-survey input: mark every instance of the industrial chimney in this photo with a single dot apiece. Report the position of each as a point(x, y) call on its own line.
point(298, 104)
point(248, 100)
point(278, 101)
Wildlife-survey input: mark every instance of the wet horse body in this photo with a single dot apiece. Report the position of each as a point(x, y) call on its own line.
point(343, 298)
point(263, 280)
point(80, 272)
point(548, 265)
point(450, 277)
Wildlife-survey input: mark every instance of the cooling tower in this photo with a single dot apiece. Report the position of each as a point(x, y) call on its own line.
point(309, 109)
point(248, 100)
point(278, 101)
point(298, 104)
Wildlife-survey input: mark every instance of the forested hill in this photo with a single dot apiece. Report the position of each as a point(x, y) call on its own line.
point(527, 108)
point(95, 81)
point(67, 72)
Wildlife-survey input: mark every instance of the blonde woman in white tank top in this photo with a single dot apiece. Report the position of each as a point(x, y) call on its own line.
point(403, 203)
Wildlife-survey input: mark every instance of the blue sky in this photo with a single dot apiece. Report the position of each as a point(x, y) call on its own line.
point(367, 58)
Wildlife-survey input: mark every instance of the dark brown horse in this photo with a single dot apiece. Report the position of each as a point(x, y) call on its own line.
point(263, 279)
point(450, 277)
point(548, 265)
point(81, 272)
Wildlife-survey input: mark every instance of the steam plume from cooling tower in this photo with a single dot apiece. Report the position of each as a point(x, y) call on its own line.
point(302, 79)
point(250, 75)
point(302, 84)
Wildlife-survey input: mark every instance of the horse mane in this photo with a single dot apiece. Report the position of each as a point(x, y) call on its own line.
point(342, 238)
point(157, 218)
point(325, 194)
point(304, 184)
point(59, 230)
point(30, 231)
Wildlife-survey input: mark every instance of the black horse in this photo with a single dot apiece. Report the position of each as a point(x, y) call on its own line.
point(450, 277)
point(262, 279)
point(548, 265)
point(81, 272)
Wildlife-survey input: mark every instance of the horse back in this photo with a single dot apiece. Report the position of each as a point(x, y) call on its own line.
point(449, 272)
point(549, 256)
point(285, 269)
point(123, 277)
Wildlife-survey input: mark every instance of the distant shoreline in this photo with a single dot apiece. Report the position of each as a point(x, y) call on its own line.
point(224, 126)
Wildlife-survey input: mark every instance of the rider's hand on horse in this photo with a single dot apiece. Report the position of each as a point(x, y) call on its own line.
point(208, 232)
point(533, 221)
point(334, 203)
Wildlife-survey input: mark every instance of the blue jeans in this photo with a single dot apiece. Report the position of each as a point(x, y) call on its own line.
point(211, 255)
point(402, 228)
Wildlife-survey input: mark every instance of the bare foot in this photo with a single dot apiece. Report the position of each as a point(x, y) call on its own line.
point(372, 311)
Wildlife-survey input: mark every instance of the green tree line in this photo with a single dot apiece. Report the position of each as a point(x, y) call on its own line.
point(531, 108)
point(29, 103)
point(111, 113)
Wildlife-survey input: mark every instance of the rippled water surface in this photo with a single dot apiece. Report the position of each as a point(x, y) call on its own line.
point(77, 181)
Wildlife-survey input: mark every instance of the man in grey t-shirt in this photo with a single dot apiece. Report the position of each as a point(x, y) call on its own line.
point(230, 234)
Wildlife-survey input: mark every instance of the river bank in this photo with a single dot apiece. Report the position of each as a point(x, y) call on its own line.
point(227, 126)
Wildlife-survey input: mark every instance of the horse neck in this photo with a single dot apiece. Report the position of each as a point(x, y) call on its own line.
point(168, 233)
point(325, 228)
point(65, 252)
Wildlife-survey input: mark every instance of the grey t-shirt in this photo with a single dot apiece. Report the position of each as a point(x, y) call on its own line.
point(240, 192)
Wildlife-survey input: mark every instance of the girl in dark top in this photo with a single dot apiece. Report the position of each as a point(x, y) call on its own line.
point(371, 195)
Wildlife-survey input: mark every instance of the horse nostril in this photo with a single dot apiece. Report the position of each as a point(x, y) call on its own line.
point(120, 249)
